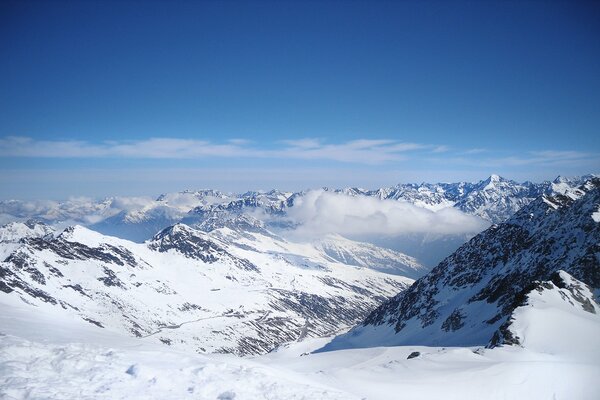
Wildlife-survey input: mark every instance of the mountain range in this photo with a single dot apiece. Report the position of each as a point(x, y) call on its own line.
point(231, 291)
point(493, 199)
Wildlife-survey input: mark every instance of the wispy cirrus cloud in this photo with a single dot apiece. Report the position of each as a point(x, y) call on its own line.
point(440, 149)
point(541, 158)
point(17, 146)
point(364, 151)
point(545, 157)
point(475, 151)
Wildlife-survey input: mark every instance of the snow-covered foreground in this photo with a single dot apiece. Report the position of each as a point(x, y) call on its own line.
point(44, 357)
point(54, 357)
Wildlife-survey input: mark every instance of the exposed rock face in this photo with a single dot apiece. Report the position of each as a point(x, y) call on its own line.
point(194, 244)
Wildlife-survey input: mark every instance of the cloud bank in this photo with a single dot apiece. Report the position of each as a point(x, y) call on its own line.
point(319, 213)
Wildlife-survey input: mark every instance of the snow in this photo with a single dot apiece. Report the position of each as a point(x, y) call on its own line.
point(14, 231)
point(596, 216)
point(369, 256)
point(49, 356)
point(71, 361)
point(466, 298)
point(554, 321)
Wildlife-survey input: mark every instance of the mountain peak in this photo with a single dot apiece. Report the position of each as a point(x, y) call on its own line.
point(175, 229)
point(492, 182)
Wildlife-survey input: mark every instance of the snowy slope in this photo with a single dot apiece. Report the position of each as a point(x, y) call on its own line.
point(468, 296)
point(55, 356)
point(193, 290)
point(85, 315)
point(559, 315)
point(369, 256)
point(139, 225)
point(496, 199)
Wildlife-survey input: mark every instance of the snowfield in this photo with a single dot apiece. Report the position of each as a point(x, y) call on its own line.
point(46, 356)
point(56, 358)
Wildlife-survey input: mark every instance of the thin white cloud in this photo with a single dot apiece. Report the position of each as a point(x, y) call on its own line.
point(546, 158)
point(475, 151)
point(12, 146)
point(307, 143)
point(560, 155)
point(543, 158)
point(440, 149)
point(240, 142)
point(364, 151)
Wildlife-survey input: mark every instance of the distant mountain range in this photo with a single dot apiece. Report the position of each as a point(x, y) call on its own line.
point(494, 199)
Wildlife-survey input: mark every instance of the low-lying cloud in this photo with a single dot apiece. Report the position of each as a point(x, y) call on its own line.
point(320, 212)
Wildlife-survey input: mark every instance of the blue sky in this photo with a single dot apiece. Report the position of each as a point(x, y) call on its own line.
point(101, 98)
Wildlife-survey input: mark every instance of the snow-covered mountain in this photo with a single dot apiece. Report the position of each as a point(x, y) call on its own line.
point(228, 291)
point(369, 256)
point(14, 231)
point(473, 292)
point(494, 199)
